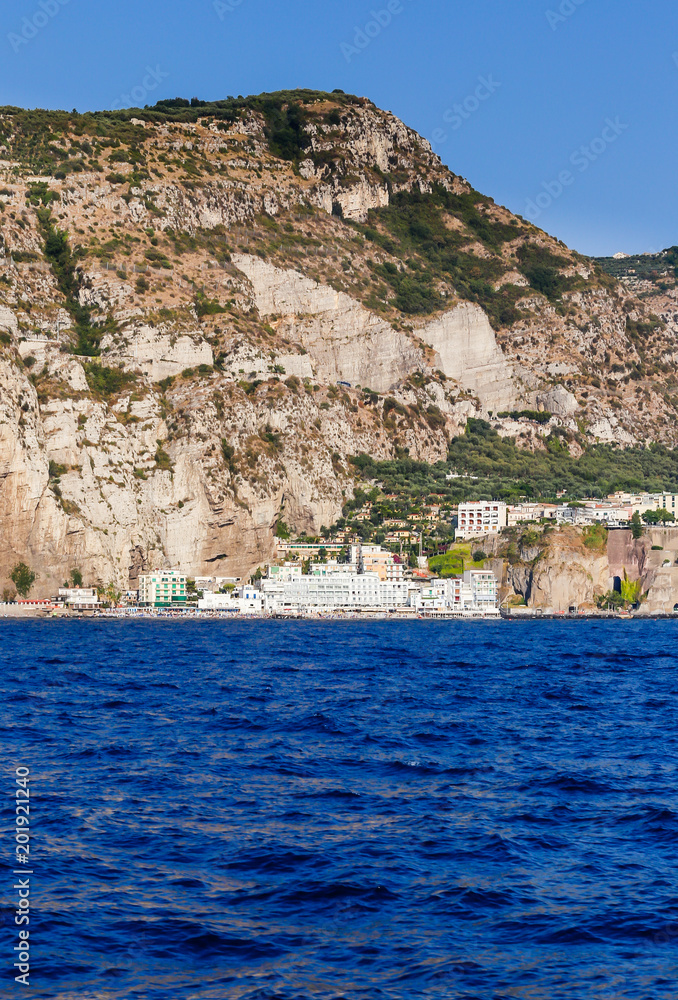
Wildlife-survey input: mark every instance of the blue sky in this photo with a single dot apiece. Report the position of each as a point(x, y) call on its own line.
point(566, 109)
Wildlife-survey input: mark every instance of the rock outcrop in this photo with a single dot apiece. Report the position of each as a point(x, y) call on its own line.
point(345, 341)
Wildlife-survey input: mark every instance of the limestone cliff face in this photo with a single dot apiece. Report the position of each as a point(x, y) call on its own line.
point(142, 481)
point(349, 343)
point(467, 350)
point(561, 575)
point(658, 569)
point(564, 573)
point(345, 341)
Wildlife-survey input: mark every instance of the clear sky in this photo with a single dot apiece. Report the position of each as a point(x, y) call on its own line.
point(558, 75)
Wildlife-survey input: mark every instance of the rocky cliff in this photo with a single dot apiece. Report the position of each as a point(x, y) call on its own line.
point(193, 301)
point(559, 568)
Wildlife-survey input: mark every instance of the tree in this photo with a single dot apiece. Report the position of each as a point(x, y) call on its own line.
point(8, 595)
point(630, 589)
point(636, 525)
point(23, 578)
point(76, 578)
point(110, 595)
point(612, 599)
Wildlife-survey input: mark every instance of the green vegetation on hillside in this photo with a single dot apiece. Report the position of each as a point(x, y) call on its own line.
point(107, 382)
point(35, 133)
point(655, 267)
point(487, 466)
point(415, 228)
point(456, 560)
point(62, 261)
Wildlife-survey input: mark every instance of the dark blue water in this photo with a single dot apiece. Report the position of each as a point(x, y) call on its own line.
point(297, 810)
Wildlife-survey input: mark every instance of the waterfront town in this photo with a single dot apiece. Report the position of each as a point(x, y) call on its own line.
point(341, 574)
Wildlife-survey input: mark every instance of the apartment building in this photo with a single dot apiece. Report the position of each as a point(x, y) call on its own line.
point(475, 592)
point(520, 513)
point(80, 598)
point(162, 589)
point(374, 559)
point(480, 517)
point(333, 590)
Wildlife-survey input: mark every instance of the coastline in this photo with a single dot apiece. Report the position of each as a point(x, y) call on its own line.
point(130, 614)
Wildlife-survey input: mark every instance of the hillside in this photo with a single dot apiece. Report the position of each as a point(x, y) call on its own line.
point(206, 310)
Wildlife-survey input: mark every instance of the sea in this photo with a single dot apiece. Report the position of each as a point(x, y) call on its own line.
point(269, 810)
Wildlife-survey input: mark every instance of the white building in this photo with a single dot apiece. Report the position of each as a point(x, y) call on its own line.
point(609, 513)
point(519, 513)
point(245, 601)
point(334, 590)
point(474, 593)
point(479, 517)
point(484, 589)
point(640, 503)
point(80, 598)
point(667, 501)
point(574, 515)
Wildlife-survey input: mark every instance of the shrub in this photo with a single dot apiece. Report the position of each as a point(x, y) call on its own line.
point(107, 382)
point(162, 459)
point(479, 556)
point(595, 537)
point(56, 470)
point(228, 451)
